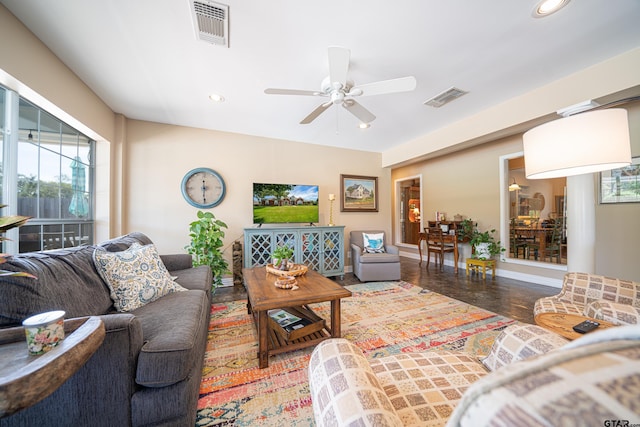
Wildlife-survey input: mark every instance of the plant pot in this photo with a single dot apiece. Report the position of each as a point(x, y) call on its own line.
point(281, 263)
point(482, 251)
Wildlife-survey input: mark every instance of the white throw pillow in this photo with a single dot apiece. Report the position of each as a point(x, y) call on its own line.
point(373, 243)
point(136, 276)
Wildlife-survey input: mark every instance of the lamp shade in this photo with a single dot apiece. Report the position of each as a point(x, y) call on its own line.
point(584, 143)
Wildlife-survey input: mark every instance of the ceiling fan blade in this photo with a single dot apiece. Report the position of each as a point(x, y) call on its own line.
point(315, 113)
point(272, 91)
point(364, 115)
point(338, 64)
point(403, 84)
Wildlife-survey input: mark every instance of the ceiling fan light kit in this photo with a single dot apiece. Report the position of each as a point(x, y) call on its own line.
point(341, 90)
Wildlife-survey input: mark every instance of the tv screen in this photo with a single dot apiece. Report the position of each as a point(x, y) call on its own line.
point(284, 203)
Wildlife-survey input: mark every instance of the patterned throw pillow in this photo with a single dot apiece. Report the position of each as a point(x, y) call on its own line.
point(136, 276)
point(373, 243)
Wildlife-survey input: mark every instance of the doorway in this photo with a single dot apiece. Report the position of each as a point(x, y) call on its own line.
point(409, 209)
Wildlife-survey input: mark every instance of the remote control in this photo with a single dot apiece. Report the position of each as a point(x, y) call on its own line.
point(586, 326)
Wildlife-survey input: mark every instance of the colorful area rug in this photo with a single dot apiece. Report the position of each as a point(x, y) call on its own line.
point(382, 318)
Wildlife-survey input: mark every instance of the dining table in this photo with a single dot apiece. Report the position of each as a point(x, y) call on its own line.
point(533, 235)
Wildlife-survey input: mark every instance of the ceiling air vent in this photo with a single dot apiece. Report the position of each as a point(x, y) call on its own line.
point(211, 21)
point(445, 97)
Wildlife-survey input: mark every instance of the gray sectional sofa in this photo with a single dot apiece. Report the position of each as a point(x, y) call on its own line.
point(149, 367)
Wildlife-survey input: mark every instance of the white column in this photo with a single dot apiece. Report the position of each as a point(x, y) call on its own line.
point(581, 224)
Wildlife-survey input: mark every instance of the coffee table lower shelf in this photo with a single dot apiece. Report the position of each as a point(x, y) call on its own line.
point(278, 345)
point(281, 341)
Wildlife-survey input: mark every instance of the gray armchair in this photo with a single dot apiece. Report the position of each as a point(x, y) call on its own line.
point(374, 266)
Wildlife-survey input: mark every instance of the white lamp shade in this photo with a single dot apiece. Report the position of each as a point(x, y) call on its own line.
point(585, 143)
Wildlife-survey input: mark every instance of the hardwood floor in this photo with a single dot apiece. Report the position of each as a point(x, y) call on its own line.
point(511, 298)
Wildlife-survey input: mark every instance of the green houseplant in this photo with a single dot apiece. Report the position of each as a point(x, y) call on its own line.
point(281, 256)
point(206, 240)
point(467, 228)
point(484, 244)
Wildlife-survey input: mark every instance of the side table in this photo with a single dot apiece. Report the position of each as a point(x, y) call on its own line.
point(563, 323)
point(477, 264)
point(26, 379)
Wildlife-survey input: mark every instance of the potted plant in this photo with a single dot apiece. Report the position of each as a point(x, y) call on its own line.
point(7, 223)
point(467, 228)
point(206, 240)
point(485, 246)
point(281, 256)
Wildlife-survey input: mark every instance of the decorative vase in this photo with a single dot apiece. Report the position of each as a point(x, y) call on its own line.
point(482, 251)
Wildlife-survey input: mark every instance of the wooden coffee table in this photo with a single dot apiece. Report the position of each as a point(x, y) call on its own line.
point(563, 323)
point(263, 296)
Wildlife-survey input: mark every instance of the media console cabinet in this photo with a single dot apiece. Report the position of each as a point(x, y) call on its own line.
point(321, 248)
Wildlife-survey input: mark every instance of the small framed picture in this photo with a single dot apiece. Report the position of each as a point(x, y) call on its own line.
point(621, 185)
point(358, 193)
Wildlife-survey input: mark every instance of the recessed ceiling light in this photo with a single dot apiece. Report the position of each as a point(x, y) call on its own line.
point(216, 98)
point(364, 125)
point(547, 7)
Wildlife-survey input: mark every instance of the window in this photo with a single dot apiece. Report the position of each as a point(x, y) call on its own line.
point(533, 216)
point(48, 176)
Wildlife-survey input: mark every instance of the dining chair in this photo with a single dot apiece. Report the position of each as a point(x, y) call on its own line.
point(554, 245)
point(517, 243)
point(437, 246)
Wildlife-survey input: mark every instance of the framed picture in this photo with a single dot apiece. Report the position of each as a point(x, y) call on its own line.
point(621, 185)
point(358, 193)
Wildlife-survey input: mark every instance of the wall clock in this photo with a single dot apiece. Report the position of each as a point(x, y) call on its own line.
point(203, 188)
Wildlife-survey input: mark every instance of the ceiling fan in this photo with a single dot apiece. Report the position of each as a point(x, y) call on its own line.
point(341, 90)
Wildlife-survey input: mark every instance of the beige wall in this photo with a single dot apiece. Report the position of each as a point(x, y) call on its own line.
point(467, 183)
point(618, 225)
point(30, 68)
point(158, 156)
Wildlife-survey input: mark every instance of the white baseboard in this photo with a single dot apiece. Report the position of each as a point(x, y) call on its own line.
point(509, 274)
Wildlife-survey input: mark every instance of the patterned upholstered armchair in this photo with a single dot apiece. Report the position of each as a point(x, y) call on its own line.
point(599, 297)
point(537, 378)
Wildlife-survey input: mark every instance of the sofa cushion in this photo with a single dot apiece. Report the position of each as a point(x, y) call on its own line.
point(616, 313)
point(556, 305)
point(424, 388)
point(345, 390)
point(579, 385)
point(135, 276)
point(373, 243)
point(367, 258)
point(173, 331)
point(123, 242)
point(520, 341)
point(199, 277)
point(66, 280)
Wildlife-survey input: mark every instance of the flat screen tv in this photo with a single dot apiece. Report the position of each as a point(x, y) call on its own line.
point(284, 203)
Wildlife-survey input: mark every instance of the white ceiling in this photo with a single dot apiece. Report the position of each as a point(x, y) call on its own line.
point(143, 59)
